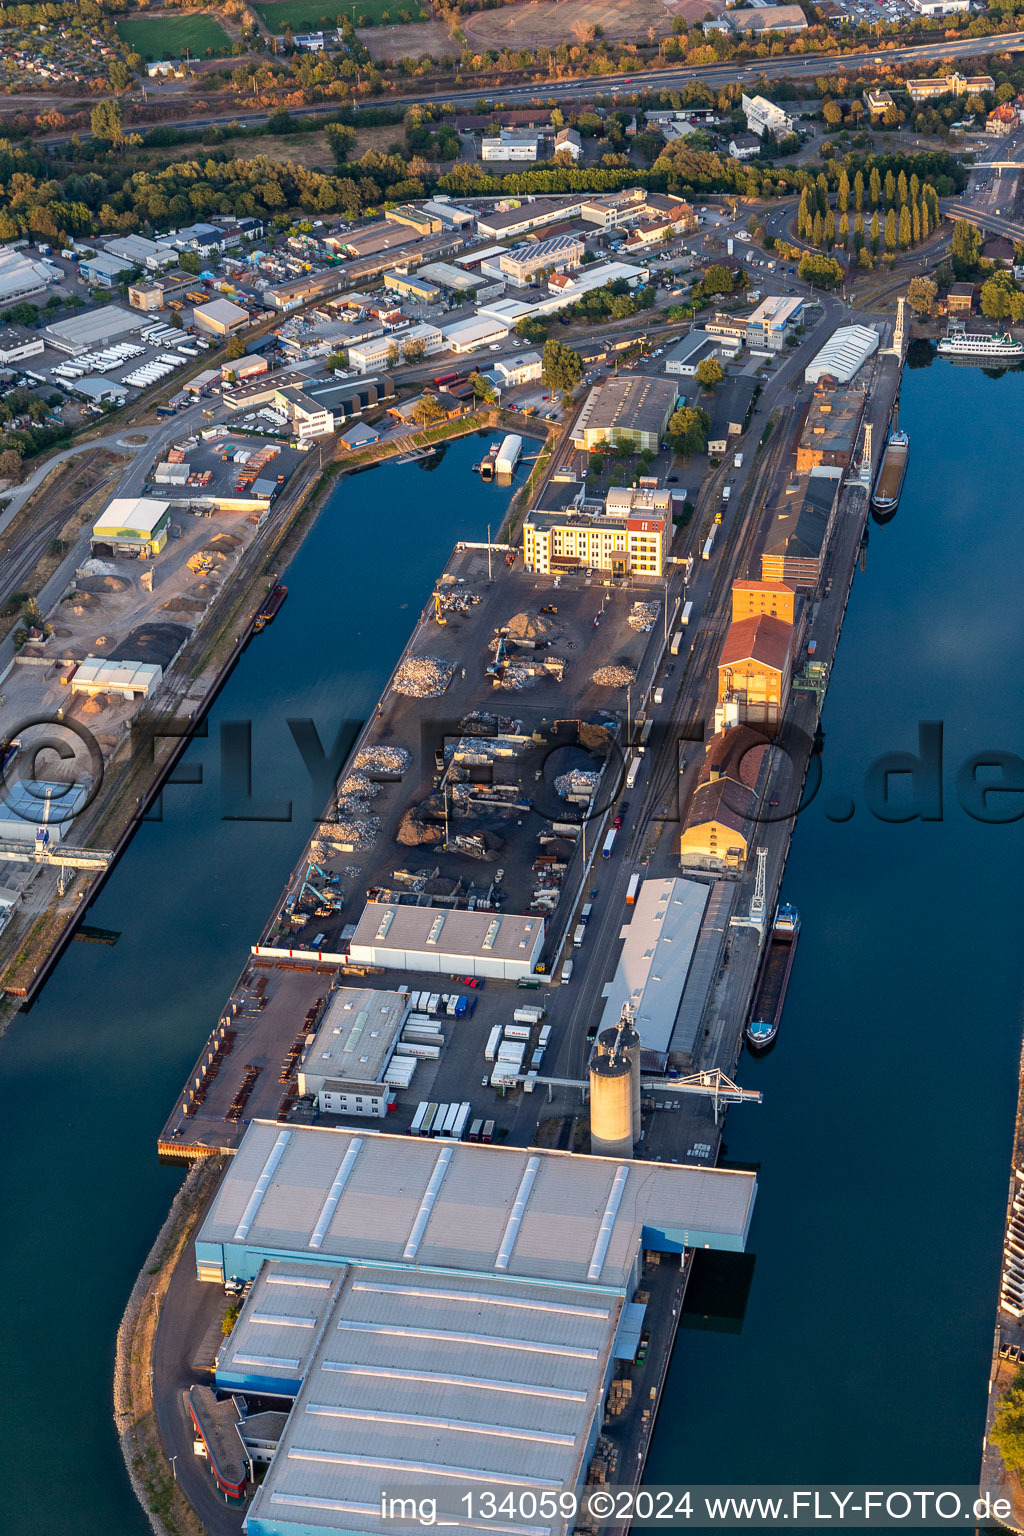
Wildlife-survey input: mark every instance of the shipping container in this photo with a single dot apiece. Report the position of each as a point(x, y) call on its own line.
point(427, 1123)
point(528, 1014)
point(434, 1003)
point(608, 845)
point(493, 1041)
point(417, 1119)
point(475, 1129)
point(461, 1121)
point(684, 618)
point(631, 890)
point(579, 935)
point(544, 1036)
point(517, 1031)
point(449, 1120)
point(536, 1059)
point(452, 1005)
point(527, 984)
point(421, 1018)
point(487, 1134)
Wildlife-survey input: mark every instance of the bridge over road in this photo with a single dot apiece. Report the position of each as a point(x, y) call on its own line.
point(992, 223)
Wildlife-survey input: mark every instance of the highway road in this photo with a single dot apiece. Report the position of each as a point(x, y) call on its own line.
point(793, 67)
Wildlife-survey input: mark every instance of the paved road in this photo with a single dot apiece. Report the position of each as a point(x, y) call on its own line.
point(790, 67)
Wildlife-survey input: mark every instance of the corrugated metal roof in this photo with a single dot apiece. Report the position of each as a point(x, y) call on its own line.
point(383, 1192)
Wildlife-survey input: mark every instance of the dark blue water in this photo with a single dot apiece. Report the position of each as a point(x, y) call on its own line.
point(889, 1100)
point(885, 1134)
point(90, 1074)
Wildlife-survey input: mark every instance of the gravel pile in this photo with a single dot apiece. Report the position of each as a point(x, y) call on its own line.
point(613, 677)
point(423, 677)
point(643, 615)
point(382, 760)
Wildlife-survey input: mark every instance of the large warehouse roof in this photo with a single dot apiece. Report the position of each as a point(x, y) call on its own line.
point(131, 515)
point(274, 1339)
point(305, 1192)
point(429, 1382)
point(655, 962)
point(437, 939)
point(83, 332)
point(843, 355)
point(356, 1035)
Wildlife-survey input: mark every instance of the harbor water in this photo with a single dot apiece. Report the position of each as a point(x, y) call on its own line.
point(889, 1096)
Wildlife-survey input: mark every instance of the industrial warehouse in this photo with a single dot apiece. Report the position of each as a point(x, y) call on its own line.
point(433, 1308)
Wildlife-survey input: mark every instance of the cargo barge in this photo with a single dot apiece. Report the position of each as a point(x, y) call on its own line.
point(269, 607)
point(891, 473)
point(773, 980)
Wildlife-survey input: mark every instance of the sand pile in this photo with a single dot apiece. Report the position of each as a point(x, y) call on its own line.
point(532, 626)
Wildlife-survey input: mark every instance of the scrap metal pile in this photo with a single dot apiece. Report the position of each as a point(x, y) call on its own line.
point(423, 677)
point(643, 616)
point(382, 760)
point(614, 677)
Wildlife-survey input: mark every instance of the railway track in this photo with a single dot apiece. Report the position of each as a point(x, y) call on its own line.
point(25, 552)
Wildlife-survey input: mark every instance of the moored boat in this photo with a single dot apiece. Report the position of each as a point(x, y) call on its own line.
point(773, 978)
point(891, 472)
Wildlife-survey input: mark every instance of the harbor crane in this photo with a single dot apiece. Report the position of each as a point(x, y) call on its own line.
point(758, 902)
point(712, 1083)
point(59, 855)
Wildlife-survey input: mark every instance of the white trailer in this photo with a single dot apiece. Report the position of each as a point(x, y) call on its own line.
point(517, 1031)
point(528, 1015)
point(493, 1041)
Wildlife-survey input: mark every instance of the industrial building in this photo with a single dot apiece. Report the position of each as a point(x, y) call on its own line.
point(843, 355)
point(437, 1311)
point(137, 251)
point(658, 948)
point(447, 942)
point(219, 318)
point(523, 266)
point(828, 436)
point(797, 540)
point(776, 598)
point(769, 324)
point(755, 669)
point(522, 369)
point(353, 1044)
point(510, 144)
point(132, 525)
point(27, 805)
point(92, 328)
point(627, 410)
point(421, 220)
point(629, 533)
point(766, 18)
point(478, 331)
point(717, 828)
point(695, 347)
point(22, 277)
point(508, 221)
point(730, 411)
point(379, 351)
point(105, 269)
point(412, 286)
point(764, 116)
point(456, 279)
point(18, 345)
point(127, 679)
point(154, 293)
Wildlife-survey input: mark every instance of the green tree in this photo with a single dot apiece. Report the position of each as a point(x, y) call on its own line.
point(482, 388)
point(230, 1318)
point(844, 230)
point(858, 191)
point(687, 429)
point(821, 271)
point(890, 189)
point(415, 350)
point(817, 229)
point(188, 261)
point(830, 230)
point(709, 373)
point(890, 230)
point(562, 368)
point(995, 296)
point(427, 410)
point(901, 188)
point(876, 233)
point(107, 123)
point(10, 464)
point(965, 249)
point(875, 186)
point(1007, 1432)
point(904, 227)
point(235, 347)
point(716, 279)
point(843, 193)
point(921, 295)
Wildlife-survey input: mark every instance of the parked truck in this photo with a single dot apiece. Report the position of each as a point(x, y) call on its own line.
point(579, 935)
point(493, 1041)
point(737, 460)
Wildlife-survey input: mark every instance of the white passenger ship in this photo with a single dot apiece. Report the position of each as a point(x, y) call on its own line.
point(959, 342)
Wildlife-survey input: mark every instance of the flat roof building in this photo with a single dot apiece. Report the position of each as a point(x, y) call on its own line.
point(128, 679)
point(510, 144)
point(18, 344)
point(378, 351)
point(630, 534)
point(767, 18)
point(504, 223)
point(355, 1037)
point(220, 317)
point(627, 410)
point(444, 941)
point(552, 255)
point(764, 116)
point(95, 327)
point(768, 325)
point(659, 944)
point(695, 347)
point(479, 331)
point(21, 277)
point(133, 525)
